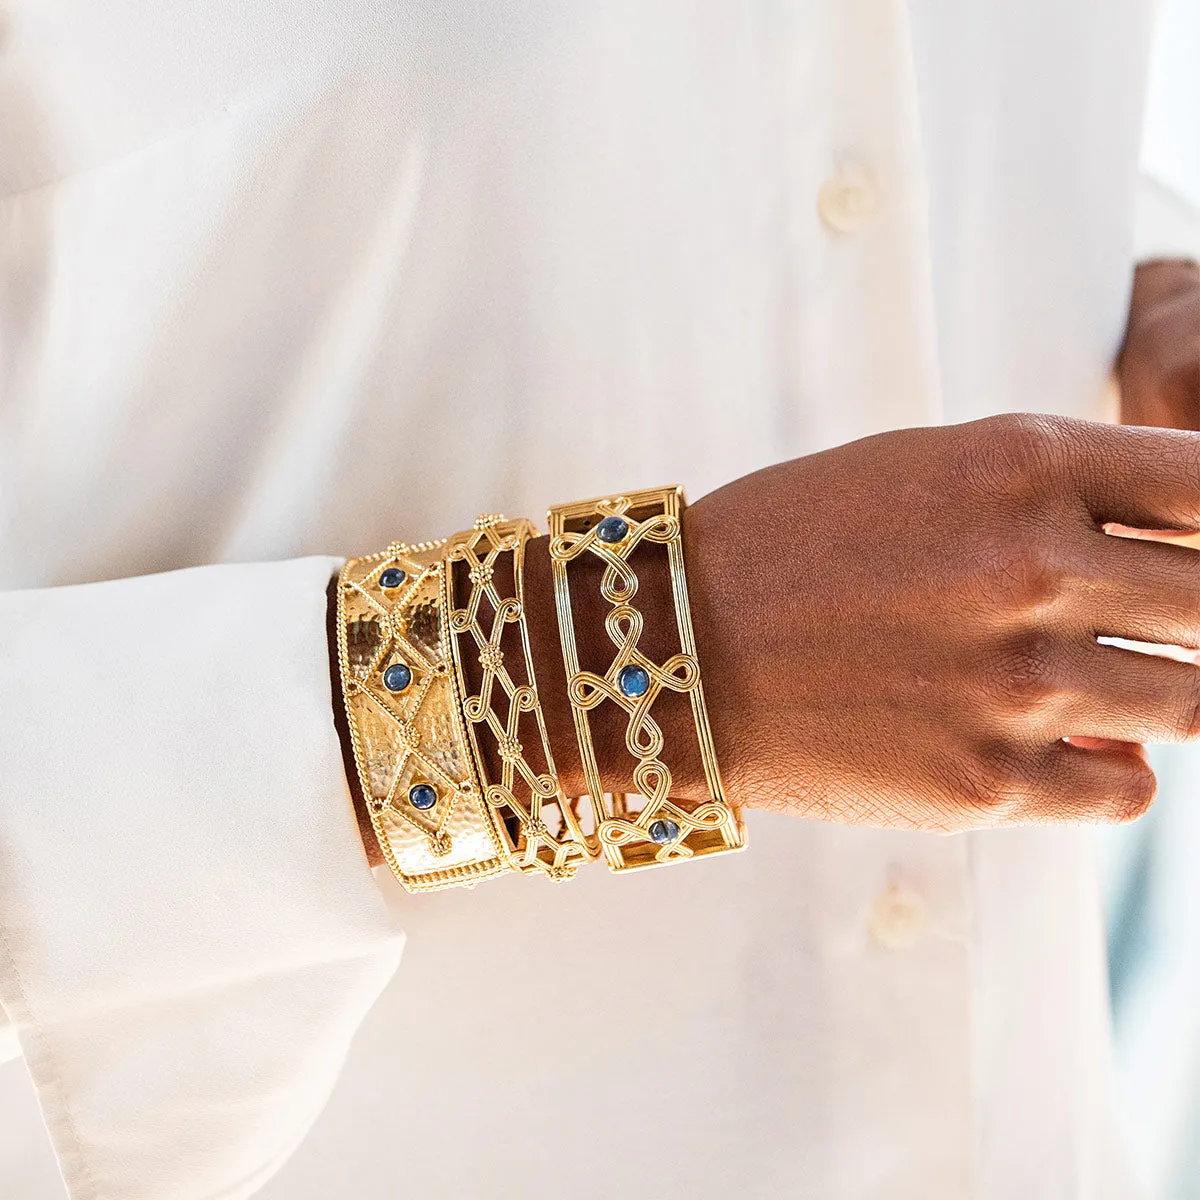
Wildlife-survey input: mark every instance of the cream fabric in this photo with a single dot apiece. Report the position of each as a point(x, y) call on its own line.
point(281, 280)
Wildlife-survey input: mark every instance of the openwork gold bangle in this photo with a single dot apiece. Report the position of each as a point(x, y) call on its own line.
point(664, 829)
point(438, 683)
point(404, 710)
point(542, 831)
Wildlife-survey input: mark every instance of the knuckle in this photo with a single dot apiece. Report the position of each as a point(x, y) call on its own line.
point(1026, 573)
point(1189, 708)
point(992, 785)
point(1020, 450)
point(1024, 674)
point(1187, 449)
point(1134, 798)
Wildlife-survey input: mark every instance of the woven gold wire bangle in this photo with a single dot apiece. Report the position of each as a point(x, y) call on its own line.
point(421, 730)
point(664, 829)
point(542, 831)
point(411, 748)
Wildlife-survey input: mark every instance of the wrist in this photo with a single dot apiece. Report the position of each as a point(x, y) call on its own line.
point(532, 704)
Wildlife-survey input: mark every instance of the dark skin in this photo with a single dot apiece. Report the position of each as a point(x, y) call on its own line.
point(1159, 365)
point(901, 632)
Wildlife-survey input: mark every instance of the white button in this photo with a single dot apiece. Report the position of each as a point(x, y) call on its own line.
point(846, 201)
point(899, 917)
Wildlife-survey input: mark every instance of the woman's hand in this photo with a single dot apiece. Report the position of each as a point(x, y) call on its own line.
point(902, 631)
point(1159, 366)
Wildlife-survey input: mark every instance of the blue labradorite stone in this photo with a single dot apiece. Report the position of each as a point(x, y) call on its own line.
point(633, 681)
point(422, 795)
point(664, 830)
point(397, 677)
point(612, 529)
point(393, 577)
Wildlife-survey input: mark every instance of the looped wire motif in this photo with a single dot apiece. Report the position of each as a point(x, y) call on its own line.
point(619, 583)
point(633, 681)
point(680, 673)
point(619, 832)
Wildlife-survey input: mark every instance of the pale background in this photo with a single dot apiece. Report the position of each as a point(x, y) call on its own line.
point(1153, 868)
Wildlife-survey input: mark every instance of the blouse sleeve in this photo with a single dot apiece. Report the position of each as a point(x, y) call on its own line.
point(1168, 204)
point(189, 930)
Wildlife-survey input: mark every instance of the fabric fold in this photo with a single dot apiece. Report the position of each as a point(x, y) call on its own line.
point(189, 931)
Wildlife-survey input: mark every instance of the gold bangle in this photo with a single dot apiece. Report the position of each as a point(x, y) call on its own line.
point(406, 652)
point(543, 831)
point(665, 829)
point(404, 711)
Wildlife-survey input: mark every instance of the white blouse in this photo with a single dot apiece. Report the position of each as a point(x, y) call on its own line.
point(280, 281)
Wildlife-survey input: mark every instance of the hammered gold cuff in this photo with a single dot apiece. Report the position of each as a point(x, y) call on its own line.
point(404, 710)
point(446, 727)
point(661, 829)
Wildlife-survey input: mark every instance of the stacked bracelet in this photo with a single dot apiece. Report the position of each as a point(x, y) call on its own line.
point(445, 720)
point(542, 830)
point(413, 756)
point(663, 829)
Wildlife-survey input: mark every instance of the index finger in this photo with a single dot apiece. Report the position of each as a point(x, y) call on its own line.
point(1135, 476)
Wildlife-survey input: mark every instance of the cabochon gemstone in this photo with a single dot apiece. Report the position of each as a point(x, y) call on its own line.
point(422, 796)
point(393, 577)
point(664, 830)
point(634, 681)
point(612, 530)
point(397, 677)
